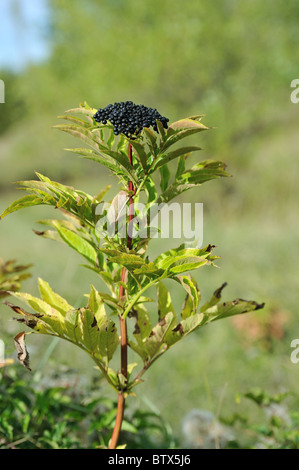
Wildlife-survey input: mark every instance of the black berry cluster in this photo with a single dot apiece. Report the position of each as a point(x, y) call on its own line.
point(129, 118)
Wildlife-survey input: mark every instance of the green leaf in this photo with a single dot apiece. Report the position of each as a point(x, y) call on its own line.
point(40, 306)
point(197, 175)
point(181, 166)
point(228, 309)
point(121, 159)
point(96, 305)
point(46, 320)
point(111, 139)
point(92, 138)
point(186, 124)
point(151, 191)
point(215, 298)
point(89, 328)
point(193, 296)
point(91, 155)
point(154, 344)
point(140, 153)
point(53, 299)
point(188, 307)
point(78, 243)
point(184, 264)
point(81, 132)
point(143, 325)
point(151, 139)
point(85, 110)
point(165, 175)
point(164, 302)
point(182, 251)
point(182, 260)
point(100, 195)
point(181, 129)
point(166, 158)
point(161, 130)
point(204, 171)
point(78, 121)
point(185, 327)
point(26, 201)
point(173, 191)
point(130, 261)
point(149, 268)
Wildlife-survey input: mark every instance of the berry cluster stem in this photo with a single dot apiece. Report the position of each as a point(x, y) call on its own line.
point(123, 329)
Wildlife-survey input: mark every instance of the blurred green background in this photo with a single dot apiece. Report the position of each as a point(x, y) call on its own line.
point(232, 61)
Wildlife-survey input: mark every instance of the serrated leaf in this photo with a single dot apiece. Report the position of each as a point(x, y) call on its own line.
point(130, 261)
point(188, 307)
point(165, 175)
point(36, 321)
point(151, 191)
point(184, 264)
point(199, 174)
point(94, 141)
point(193, 296)
point(140, 153)
point(228, 309)
point(78, 121)
point(151, 139)
point(53, 299)
point(150, 341)
point(85, 110)
point(96, 305)
point(154, 343)
point(143, 325)
point(185, 327)
point(79, 244)
point(181, 166)
point(204, 171)
point(181, 129)
point(91, 155)
point(215, 298)
point(25, 201)
point(161, 130)
point(39, 305)
point(164, 302)
point(180, 260)
point(166, 158)
point(149, 268)
point(111, 139)
point(88, 327)
point(100, 195)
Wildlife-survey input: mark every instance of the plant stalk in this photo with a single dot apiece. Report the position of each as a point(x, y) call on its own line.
point(123, 327)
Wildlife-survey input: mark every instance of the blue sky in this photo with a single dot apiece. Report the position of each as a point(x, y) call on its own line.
point(23, 30)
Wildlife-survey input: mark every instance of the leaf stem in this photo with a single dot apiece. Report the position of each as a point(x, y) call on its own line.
point(137, 296)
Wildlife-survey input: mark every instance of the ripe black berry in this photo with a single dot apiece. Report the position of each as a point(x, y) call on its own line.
point(129, 118)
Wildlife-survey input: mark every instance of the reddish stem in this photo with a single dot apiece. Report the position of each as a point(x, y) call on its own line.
point(123, 327)
point(118, 421)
